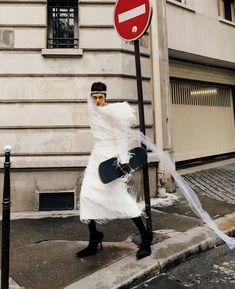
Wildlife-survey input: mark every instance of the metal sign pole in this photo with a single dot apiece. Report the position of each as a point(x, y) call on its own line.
point(142, 129)
point(6, 204)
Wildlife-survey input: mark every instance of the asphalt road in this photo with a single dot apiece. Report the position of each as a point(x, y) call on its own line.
point(214, 269)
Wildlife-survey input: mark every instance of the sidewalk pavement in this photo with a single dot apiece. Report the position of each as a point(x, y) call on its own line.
point(43, 249)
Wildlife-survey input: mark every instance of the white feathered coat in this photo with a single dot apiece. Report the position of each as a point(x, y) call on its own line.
point(98, 201)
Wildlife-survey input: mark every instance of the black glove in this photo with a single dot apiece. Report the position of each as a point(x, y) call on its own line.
point(125, 168)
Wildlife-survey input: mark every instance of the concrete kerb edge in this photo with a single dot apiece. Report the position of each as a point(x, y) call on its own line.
point(118, 274)
point(207, 244)
point(148, 273)
point(163, 264)
point(188, 252)
point(160, 265)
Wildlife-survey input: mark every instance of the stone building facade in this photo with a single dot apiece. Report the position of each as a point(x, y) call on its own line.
point(201, 41)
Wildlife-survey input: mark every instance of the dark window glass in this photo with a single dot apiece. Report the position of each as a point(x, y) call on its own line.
point(62, 24)
point(228, 9)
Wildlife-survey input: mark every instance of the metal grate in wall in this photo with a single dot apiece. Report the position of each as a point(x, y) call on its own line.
point(49, 201)
point(184, 93)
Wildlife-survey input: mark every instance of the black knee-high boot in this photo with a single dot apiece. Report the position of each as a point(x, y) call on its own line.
point(96, 238)
point(146, 239)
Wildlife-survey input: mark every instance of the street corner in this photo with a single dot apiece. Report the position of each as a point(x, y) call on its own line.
point(120, 274)
point(55, 262)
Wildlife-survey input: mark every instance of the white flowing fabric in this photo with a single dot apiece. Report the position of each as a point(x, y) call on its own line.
point(190, 196)
point(187, 191)
point(99, 201)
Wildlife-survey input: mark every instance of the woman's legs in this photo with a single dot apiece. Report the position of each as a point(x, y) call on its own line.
point(96, 238)
point(92, 228)
point(146, 239)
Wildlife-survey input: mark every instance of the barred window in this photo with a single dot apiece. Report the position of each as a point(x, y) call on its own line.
point(62, 24)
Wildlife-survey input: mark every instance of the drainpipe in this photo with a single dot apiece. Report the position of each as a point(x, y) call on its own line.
point(160, 81)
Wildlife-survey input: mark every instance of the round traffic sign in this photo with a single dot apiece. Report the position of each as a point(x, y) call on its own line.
point(132, 18)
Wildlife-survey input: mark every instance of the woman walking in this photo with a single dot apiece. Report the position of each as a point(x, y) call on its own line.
point(100, 202)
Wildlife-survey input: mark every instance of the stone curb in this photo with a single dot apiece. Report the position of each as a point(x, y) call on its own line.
point(128, 271)
point(12, 284)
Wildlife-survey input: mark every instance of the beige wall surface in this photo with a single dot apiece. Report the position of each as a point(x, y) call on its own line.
point(18, 14)
point(200, 31)
point(202, 131)
point(90, 63)
point(30, 38)
point(187, 70)
point(96, 15)
point(49, 140)
point(105, 38)
point(207, 8)
point(64, 114)
point(55, 88)
point(26, 198)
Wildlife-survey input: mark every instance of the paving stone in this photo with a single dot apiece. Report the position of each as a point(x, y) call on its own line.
point(218, 183)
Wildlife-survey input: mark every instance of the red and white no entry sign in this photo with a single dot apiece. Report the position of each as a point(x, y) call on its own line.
point(132, 18)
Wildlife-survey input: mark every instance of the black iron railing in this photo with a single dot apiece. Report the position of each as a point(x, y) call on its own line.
point(62, 42)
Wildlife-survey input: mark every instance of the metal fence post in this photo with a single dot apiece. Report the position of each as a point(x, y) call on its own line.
point(6, 205)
